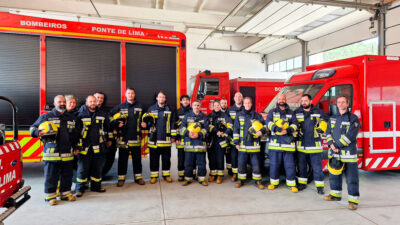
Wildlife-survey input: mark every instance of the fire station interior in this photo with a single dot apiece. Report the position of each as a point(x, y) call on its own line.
point(80, 47)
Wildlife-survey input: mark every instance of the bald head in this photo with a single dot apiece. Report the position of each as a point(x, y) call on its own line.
point(281, 100)
point(238, 99)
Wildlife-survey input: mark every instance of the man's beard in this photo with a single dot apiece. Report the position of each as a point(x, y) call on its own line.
point(61, 108)
point(306, 107)
point(282, 103)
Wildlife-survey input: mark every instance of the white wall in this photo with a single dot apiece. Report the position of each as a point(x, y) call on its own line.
point(286, 53)
point(236, 63)
point(349, 35)
point(345, 36)
point(393, 31)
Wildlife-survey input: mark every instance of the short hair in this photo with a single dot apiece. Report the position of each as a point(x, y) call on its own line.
point(184, 96)
point(223, 99)
point(307, 95)
point(196, 101)
point(251, 100)
point(70, 97)
point(161, 92)
point(344, 96)
point(58, 96)
point(90, 96)
point(217, 101)
point(130, 88)
point(101, 93)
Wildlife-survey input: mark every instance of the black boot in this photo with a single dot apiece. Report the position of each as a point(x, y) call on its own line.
point(301, 187)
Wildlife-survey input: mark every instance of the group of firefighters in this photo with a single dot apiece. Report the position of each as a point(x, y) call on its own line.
point(232, 134)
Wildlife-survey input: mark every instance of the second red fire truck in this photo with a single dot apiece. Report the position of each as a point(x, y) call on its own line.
point(373, 85)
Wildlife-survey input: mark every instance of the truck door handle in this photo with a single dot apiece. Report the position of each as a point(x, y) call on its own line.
point(387, 124)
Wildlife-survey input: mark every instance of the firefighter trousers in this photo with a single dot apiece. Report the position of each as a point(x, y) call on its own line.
point(277, 158)
point(200, 159)
point(181, 162)
point(351, 172)
point(54, 172)
point(110, 157)
point(155, 154)
point(228, 158)
point(316, 164)
point(234, 159)
point(123, 156)
point(216, 159)
point(90, 167)
point(243, 158)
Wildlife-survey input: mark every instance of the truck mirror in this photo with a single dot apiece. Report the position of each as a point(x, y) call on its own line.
point(333, 110)
point(2, 127)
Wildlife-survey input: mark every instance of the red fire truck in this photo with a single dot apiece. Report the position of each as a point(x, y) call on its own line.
point(12, 192)
point(41, 58)
point(208, 87)
point(373, 85)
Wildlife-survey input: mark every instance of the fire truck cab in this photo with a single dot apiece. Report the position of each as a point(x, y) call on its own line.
point(373, 86)
point(209, 86)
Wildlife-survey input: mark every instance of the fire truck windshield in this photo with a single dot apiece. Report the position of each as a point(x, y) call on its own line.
point(192, 82)
point(293, 95)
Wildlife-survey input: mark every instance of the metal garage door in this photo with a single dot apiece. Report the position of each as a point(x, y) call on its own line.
point(82, 67)
point(19, 77)
point(150, 69)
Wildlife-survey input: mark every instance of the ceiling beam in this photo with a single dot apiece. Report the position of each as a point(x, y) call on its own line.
point(255, 35)
point(164, 6)
point(123, 12)
point(242, 3)
point(338, 3)
point(200, 5)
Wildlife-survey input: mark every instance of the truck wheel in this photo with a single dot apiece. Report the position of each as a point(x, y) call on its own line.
point(110, 157)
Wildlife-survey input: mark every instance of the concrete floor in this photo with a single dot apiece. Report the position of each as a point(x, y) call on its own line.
point(172, 204)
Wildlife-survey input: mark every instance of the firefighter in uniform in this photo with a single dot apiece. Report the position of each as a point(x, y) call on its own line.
point(161, 138)
point(59, 132)
point(312, 123)
point(91, 158)
point(228, 158)
point(248, 128)
point(111, 150)
point(341, 135)
point(220, 129)
point(232, 111)
point(180, 145)
point(126, 117)
point(194, 129)
point(282, 123)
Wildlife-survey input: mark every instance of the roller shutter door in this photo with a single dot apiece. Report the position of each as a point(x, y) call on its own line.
point(150, 69)
point(20, 77)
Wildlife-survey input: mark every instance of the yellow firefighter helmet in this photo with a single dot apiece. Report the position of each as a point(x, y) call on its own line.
point(222, 125)
point(119, 116)
point(194, 127)
point(335, 166)
point(255, 127)
point(321, 126)
point(48, 128)
point(149, 119)
point(282, 124)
